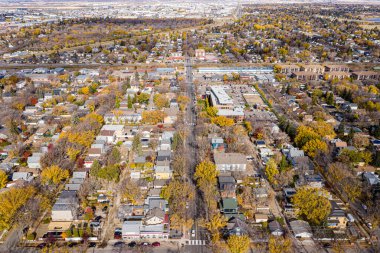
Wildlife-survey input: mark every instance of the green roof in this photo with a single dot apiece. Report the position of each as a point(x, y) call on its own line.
point(229, 203)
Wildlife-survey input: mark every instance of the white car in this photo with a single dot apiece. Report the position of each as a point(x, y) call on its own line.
point(193, 233)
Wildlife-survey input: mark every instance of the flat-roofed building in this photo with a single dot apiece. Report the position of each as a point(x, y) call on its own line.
point(336, 68)
point(314, 68)
point(366, 75)
point(220, 99)
point(287, 68)
point(305, 76)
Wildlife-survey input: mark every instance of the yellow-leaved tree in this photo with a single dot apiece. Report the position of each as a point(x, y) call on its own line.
point(313, 146)
point(54, 175)
point(279, 245)
point(217, 222)
point(3, 179)
point(206, 173)
point(312, 204)
point(271, 171)
point(10, 203)
point(152, 117)
point(222, 121)
point(238, 244)
point(160, 101)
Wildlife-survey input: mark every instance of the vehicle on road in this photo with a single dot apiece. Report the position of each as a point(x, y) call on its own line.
point(350, 218)
point(145, 244)
point(193, 233)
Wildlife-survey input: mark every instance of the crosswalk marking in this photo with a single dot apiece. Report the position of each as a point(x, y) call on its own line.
point(196, 242)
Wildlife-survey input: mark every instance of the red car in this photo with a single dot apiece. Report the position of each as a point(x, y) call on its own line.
point(156, 244)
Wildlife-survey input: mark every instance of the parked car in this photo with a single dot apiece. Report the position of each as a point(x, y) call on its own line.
point(156, 244)
point(41, 245)
point(132, 244)
point(145, 244)
point(94, 224)
point(92, 245)
point(119, 244)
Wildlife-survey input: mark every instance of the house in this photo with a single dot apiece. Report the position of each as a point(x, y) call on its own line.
point(337, 218)
point(288, 203)
point(230, 161)
point(236, 226)
point(275, 228)
point(131, 212)
point(163, 155)
point(338, 144)
point(301, 229)
point(80, 174)
point(34, 161)
point(260, 192)
point(131, 229)
point(65, 207)
point(162, 170)
point(218, 144)
point(171, 115)
point(261, 144)
point(366, 75)
point(227, 186)
point(157, 202)
point(229, 207)
point(27, 176)
point(155, 216)
point(293, 153)
point(259, 218)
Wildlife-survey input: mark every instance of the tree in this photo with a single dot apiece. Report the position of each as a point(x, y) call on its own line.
point(217, 222)
point(72, 153)
point(206, 173)
point(284, 165)
point(143, 98)
point(222, 121)
point(109, 173)
point(130, 104)
point(3, 179)
point(114, 157)
point(212, 111)
point(313, 146)
point(238, 244)
point(271, 171)
point(54, 175)
point(152, 117)
point(160, 101)
point(305, 134)
point(312, 204)
point(136, 144)
point(279, 245)
point(10, 203)
point(95, 167)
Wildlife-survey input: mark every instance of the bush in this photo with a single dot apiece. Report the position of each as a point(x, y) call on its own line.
point(31, 236)
point(75, 232)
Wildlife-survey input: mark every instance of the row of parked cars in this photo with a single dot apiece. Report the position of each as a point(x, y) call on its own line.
point(134, 244)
